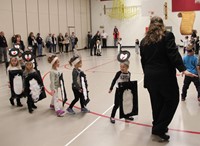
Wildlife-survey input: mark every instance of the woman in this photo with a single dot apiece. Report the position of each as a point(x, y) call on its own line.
point(160, 59)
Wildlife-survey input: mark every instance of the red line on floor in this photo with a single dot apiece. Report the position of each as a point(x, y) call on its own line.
point(131, 122)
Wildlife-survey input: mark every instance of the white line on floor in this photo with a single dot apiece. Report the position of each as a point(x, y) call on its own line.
point(92, 123)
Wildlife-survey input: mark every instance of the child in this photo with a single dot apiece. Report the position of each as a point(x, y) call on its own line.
point(55, 84)
point(137, 46)
point(119, 45)
point(29, 69)
point(185, 44)
point(33, 85)
point(76, 85)
point(190, 62)
point(121, 76)
point(98, 47)
point(15, 68)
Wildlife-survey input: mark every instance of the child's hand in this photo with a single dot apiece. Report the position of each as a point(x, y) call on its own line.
point(109, 91)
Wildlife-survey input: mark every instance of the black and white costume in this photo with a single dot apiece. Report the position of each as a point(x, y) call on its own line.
point(33, 84)
point(15, 78)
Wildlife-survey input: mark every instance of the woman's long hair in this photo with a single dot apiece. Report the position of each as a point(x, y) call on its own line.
point(155, 32)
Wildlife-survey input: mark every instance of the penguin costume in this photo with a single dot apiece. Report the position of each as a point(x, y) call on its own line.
point(15, 74)
point(127, 92)
point(33, 84)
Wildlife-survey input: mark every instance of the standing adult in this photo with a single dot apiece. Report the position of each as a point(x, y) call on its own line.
point(93, 43)
point(32, 42)
point(19, 43)
point(104, 37)
point(40, 44)
point(49, 42)
point(54, 43)
point(89, 37)
point(115, 35)
point(66, 42)
point(60, 42)
point(3, 47)
point(160, 59)
point(74, 40)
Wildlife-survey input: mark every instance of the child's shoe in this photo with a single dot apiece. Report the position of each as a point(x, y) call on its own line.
point(34, 106)
point(52, 107)
point(85, 110)
point(19, 104)
point(71, 111)
point(60, 113)
point(12, 101)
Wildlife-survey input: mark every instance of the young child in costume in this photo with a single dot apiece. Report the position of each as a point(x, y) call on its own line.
point(98, 47)
point(137, 47)
point(15, 79)
point(190, 61)
point(55, 84)
point(121, 76)
point(33, 84)
point(77, 85)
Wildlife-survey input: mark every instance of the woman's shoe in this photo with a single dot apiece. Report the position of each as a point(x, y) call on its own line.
point(163, 137)
point(112, 120)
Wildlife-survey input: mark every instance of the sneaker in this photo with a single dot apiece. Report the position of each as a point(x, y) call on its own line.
point(112, 120)
point(12, 101)
point(85, 110)
point(60, 113)
point(71, 111)
point(52, 107)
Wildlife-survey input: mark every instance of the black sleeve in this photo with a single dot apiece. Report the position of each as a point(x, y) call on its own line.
point(141, 55)
point(172, 52)
point(115, 79)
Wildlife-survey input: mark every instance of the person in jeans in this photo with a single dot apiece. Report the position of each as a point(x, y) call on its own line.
point(190, 61)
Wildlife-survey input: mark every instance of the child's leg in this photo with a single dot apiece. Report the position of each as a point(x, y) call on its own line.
point(29, 104)
point(76, 98)
point(19, 102)
point(55, 101)
point(197, 85)
point(186, 85)
point(116, 105)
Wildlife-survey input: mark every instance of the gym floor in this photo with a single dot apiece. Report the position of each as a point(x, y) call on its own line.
point(44, 128)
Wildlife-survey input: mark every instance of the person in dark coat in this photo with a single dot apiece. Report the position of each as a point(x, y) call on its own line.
point(160, 59)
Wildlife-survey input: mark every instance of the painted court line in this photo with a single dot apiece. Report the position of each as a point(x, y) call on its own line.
point(88, 127)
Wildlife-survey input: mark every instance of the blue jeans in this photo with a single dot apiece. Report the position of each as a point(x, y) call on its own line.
point(39, 49)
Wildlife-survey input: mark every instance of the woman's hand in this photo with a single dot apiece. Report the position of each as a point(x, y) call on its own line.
point(187, 73)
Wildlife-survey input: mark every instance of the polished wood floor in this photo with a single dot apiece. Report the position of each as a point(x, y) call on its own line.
point(44, 128)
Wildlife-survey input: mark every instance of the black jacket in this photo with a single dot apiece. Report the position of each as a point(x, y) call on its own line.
point(160, 61)
point(3, 42)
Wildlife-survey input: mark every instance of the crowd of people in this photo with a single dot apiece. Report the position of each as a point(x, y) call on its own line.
point(159, 58)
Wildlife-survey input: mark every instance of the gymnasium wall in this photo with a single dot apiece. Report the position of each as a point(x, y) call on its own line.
point(133, 28)
point(45, 16)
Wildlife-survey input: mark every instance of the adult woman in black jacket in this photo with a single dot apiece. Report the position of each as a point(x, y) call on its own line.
point(160, 59)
